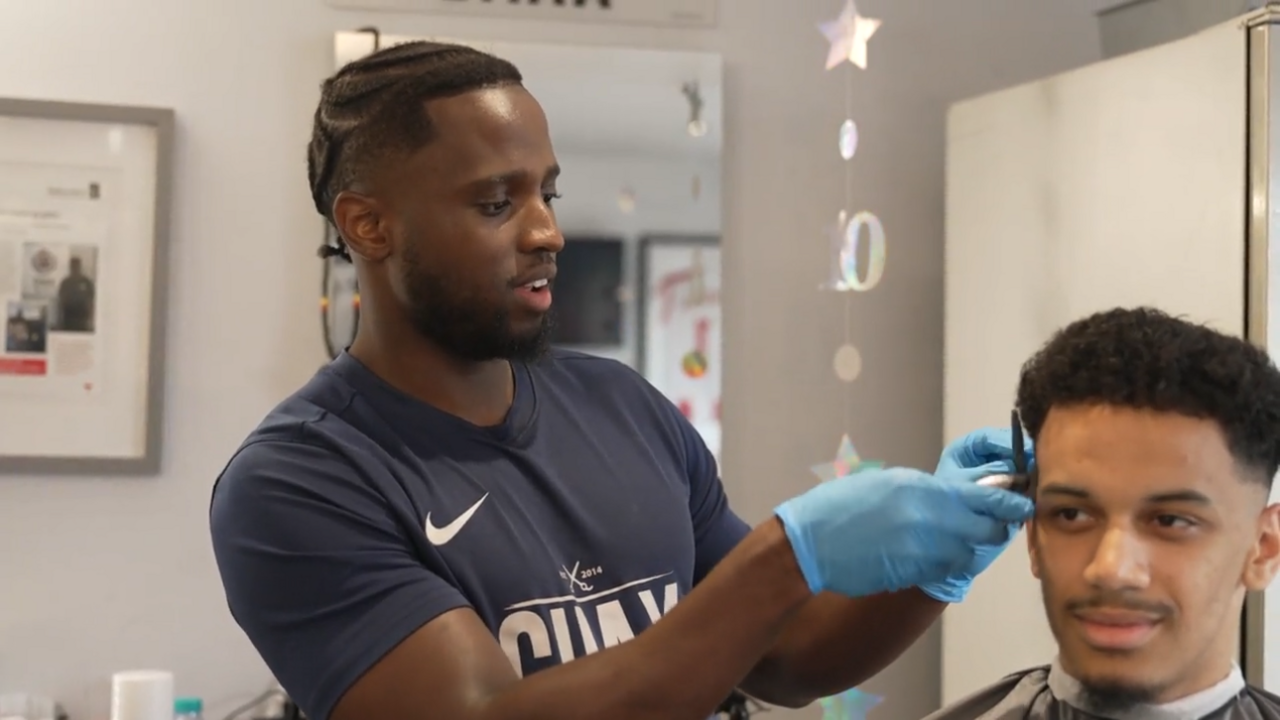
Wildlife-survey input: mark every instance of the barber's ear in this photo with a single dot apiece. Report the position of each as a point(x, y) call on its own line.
point(359, 220)
point(1264, 559)
point(1031, 548)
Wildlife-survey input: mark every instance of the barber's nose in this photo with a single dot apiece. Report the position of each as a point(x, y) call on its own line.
point(1119, 562)
point(541, 233)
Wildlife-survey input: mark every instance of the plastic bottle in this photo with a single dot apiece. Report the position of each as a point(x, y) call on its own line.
point(188, 708)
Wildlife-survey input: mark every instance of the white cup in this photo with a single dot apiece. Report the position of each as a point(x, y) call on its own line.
point(142, 695)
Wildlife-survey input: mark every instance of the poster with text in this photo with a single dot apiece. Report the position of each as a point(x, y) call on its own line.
point(54, 221)
point(681, 329)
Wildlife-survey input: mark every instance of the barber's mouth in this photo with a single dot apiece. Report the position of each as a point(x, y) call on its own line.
point(1117, 630)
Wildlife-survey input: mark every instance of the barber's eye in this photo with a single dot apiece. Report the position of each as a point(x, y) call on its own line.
point(495, 208)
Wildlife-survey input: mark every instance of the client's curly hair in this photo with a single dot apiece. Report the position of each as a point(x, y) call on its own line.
point(1146, 359)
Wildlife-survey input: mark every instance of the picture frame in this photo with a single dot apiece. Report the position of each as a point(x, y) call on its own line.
point(590, 290)
point(678, 346)
point(85, 198)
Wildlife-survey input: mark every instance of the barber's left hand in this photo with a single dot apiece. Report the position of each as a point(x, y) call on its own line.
point(984, 452)
point(981, 448)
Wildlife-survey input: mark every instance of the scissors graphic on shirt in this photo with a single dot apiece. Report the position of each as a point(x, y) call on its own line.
point(574, 582)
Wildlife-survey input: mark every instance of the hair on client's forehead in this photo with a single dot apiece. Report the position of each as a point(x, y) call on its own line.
point(1169, 365)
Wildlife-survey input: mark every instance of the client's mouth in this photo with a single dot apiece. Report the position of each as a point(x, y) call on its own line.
point(1108, 629)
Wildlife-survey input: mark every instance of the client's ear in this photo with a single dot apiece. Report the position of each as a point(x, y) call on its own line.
point(1033, 491)
point(1264, 559)
point(1031, 548)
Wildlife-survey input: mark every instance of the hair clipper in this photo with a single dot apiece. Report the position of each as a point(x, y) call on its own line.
point(1020, 480)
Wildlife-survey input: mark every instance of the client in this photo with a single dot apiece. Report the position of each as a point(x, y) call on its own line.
point(1156, 441)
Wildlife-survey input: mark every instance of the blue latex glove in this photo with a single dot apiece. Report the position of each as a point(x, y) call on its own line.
point(980, 448)
point(885, 530)
point(988, 451)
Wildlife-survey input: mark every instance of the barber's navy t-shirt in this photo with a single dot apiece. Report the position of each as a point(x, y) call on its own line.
point(355, 514)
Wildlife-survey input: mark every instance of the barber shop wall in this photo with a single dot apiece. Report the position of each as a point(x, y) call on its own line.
point(626, 197)
point(99, 575)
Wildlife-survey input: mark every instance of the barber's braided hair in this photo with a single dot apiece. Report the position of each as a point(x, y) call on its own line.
point(374, 107)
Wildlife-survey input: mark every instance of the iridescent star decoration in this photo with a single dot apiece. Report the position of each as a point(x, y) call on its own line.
point(848, 35)
point(849, 705)
point(847, 462)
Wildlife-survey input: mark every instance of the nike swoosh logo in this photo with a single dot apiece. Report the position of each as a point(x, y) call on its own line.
point(441, 535)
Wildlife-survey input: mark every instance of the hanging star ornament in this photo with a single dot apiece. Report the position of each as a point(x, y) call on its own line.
point(847, 462)
point(849, 705)
point(848, 35)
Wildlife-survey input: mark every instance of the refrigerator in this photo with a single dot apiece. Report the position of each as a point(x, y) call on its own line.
point(1149, 178)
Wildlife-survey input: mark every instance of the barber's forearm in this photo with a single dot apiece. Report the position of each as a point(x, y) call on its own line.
point(835, 643)
point(686, 664)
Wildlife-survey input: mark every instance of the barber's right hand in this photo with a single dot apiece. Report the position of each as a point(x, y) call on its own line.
point(887, 530)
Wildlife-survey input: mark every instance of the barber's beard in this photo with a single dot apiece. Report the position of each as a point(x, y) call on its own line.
point(467, 325)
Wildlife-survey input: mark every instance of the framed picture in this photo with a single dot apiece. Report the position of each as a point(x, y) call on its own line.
point(84, 231)
point(591, 272)
point(678, 348)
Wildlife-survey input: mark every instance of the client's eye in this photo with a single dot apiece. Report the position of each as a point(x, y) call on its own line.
point(1067, 519)
point(1174, 521)
point(1068, 514)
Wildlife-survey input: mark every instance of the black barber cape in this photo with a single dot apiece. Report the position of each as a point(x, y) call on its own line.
point(1048, 693)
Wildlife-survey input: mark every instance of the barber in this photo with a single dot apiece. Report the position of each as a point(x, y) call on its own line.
point(449, 513)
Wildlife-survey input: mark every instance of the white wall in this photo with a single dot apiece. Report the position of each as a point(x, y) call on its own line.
point(97, 575)
point(1063, 200)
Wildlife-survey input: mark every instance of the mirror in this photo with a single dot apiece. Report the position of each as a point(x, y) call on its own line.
point(638, 134)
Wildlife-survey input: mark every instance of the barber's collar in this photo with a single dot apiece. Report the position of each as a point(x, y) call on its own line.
point(1068, 690)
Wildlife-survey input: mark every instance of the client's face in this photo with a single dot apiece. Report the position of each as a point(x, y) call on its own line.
point(1146, 536)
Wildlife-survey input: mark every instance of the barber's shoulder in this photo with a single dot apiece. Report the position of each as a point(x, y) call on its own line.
point(583, 366)
point(307, 432)
point(612, 390)
point(271, 482)
point(290, 456)
point(261, 457)
point(278, 444)
point(600, 377)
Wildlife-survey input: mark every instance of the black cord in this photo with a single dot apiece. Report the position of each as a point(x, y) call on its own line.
point(333, 346)
point(739, 707)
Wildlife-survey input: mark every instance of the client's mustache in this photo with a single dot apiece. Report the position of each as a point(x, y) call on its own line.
point(1119, 602)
